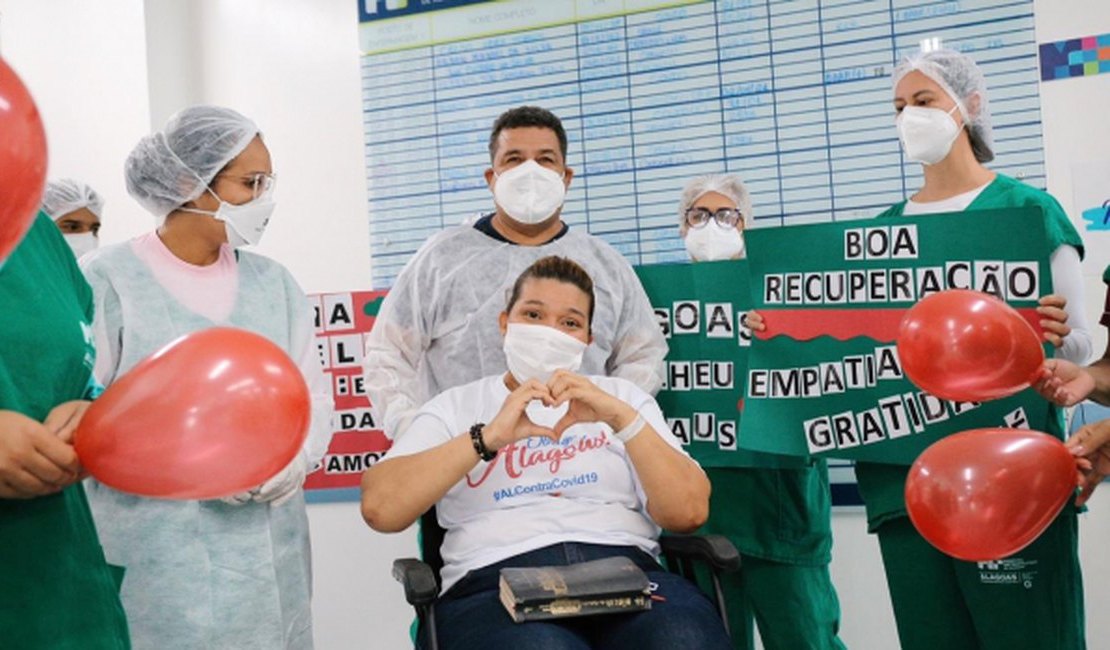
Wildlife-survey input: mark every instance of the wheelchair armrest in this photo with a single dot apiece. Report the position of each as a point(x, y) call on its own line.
point(714, 549)
point(418, 580)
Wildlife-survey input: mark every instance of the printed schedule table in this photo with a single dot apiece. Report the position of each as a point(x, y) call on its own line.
point(794, 96)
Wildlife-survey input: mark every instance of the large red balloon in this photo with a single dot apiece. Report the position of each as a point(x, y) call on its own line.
point(968, 346)
point(213, 413)
point(986, 494)
point(22, 160)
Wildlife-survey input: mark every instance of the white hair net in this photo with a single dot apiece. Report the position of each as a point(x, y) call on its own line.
point(958, 75)
point(728, 185)
point(66, 195)
point(174, 166)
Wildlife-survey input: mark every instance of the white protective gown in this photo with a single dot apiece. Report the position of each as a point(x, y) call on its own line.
point(207, 574)
point(438, 326)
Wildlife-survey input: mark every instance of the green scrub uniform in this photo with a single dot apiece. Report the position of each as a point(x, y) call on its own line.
point(56, 590)
point(1033, 599)
point(779, 521)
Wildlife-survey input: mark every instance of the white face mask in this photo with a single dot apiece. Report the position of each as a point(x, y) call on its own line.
point(529, 193)
point(244, 223)
point(927, 134)
point(81, 243)
point(537, 351)
point(714, 242)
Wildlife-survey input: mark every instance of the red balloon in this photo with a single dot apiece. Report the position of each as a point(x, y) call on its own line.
point(22, 160)
point(212, 413)
point(986, 494)
point(968, 346)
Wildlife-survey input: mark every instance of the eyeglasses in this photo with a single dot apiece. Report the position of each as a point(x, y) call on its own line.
point(725, 217)
point(259, 182)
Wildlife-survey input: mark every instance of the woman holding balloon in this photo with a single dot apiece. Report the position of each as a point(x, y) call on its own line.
point(232, 572)
point(56, 590)
point(1033, 599)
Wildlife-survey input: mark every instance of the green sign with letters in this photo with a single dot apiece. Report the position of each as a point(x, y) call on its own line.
point(826, 372)
point(701, 308)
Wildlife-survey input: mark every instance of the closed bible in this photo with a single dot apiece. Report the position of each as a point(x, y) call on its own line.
point(607, 586)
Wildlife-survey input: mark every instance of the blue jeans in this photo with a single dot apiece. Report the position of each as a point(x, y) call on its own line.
point(470, 616)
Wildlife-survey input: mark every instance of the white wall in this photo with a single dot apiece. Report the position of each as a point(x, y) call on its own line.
point(1076, 131)
point(85, 65)
point(103, 73)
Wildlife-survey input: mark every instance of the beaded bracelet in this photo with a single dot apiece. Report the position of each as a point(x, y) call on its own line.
point(479, 444)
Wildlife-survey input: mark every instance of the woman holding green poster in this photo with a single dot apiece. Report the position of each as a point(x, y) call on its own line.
point(777, 518)
point(1033, 599)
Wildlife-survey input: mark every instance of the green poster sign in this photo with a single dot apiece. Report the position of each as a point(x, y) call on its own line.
point(700, 308)
point(826, 371)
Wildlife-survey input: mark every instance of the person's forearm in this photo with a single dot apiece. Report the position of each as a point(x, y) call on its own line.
point(1067, 281)
point(396, 491)
point(677, 489)
point(1100, 370)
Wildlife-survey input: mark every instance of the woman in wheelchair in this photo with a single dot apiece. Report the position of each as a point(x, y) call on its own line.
point(542, 466)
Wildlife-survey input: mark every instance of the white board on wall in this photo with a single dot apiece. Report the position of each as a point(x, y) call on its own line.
point(794, 96)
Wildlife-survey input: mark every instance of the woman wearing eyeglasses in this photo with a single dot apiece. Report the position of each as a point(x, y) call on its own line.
point(777, 518)
point(230, 573)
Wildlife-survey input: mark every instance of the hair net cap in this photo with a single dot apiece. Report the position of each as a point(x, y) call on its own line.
point(959, 76)
point(728, 185)
point(66, 195)
point(174, 166)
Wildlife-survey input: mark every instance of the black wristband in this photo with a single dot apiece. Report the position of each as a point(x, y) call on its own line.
point(479, 444)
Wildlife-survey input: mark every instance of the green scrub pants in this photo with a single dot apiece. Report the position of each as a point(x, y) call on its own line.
point(1033, 599)
point(795, 606)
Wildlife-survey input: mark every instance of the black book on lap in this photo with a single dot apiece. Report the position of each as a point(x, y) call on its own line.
point(608, 586)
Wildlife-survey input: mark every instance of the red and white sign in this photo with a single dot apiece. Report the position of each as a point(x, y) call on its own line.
point(343, 320)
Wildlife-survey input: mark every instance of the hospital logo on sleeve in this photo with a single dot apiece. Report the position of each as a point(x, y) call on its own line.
point(90, 348)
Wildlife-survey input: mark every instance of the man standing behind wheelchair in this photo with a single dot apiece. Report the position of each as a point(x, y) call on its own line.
point(542, 466)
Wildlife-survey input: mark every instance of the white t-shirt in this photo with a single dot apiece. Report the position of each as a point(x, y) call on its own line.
point(956, 203)
point(536, 492)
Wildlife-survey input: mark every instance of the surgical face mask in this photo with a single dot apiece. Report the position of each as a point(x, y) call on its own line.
point(714, 242)
point(927, 134)
point(81, 243)
point(245, 222)
point(529, 192)
point(537, 351)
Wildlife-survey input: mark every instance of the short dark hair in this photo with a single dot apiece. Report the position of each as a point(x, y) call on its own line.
point(558, 268)
point(523, 116)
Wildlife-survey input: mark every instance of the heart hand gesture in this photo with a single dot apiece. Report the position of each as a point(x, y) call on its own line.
point(586, 403)
point(512, 422)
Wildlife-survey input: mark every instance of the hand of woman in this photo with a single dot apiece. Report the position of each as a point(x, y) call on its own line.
point(1091, 448)
point(753, 321)
point(1064, 383)
point(64, 418)
point(1055, 319)
point(512, 422)
point(587, 403)
point(33, 461)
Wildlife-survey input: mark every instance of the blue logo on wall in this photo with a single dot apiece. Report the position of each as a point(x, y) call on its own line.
point(1098, 218)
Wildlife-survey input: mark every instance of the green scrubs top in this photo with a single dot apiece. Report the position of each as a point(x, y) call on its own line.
point(56, 590)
